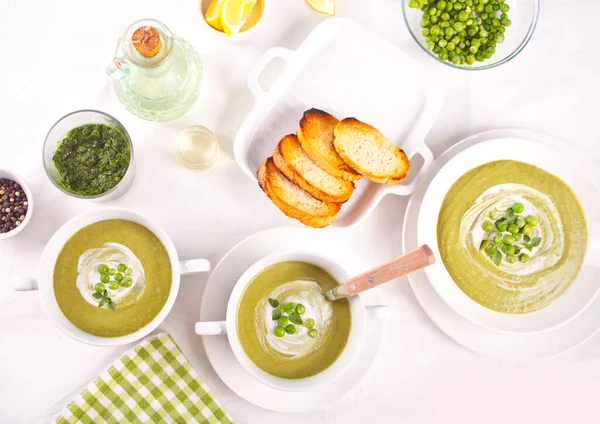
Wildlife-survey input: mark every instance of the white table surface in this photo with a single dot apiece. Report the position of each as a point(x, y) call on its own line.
point(53, 57)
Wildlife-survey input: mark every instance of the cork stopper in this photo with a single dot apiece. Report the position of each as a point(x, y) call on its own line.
point(146, 41)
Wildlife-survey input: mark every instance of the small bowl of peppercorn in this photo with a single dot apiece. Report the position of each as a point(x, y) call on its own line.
point(472, 34)
point(16, 204)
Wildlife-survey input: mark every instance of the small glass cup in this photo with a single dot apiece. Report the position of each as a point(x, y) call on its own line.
point(198, 148)
point(58, 132)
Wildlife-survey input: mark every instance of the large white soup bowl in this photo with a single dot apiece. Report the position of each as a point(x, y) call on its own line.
point(578, 173)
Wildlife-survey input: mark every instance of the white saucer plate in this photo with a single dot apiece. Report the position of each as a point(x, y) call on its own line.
point(214, 306)
point(484, 341)
point(563, 163)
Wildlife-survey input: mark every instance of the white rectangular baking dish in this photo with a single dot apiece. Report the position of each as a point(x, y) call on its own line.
point(348, 71)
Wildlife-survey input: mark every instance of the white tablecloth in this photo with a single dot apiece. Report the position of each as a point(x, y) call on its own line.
point(53, 57)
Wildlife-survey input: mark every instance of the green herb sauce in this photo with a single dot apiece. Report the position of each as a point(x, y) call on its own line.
point(92, 159)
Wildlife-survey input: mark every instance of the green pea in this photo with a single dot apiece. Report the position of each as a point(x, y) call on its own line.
point(102, 269)
point(513, 229)
point(112, 271)
point(290, 329)
point(279, 331)
point(520, 222)
point(99, 287)
point(121, 267)
point(497, 238)
point(128, 272)
point(127, 282)
point(118, 276)
point(283, 321)
point(274, 302)
point(313, 333)
point(487, 226)
point(524, 257)
point(113, 285)
point(527, 230)
point(508, 239)
point(511, 259)
point(518, 236)
point(309, 323)
point(532, 221)
point(289, 308)
point(501, 225)
point(300, 308)
point(105, 278)
point(509, 249)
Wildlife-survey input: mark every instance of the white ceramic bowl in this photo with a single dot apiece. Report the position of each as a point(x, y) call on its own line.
point(564, 165)
point(344, 361)
point(55, 245)
point(21, 181)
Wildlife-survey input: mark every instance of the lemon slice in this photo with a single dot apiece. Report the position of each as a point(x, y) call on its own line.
point(234, 15)
point(213, 14)
point(323, 6)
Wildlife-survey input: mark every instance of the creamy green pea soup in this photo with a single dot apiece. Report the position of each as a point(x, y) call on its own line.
point(112, 278)
point(512, 236)
point(286, 326)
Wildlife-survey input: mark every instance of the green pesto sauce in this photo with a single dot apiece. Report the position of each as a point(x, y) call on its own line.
point(92, 159)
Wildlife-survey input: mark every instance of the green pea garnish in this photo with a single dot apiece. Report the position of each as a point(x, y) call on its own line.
point(513, 229)
point(102, 269)
point(527, 230)
point(508, 239)
point(509, 249)
point(105, 278)
point(532, 221)
point(113, 285)
point(121, 267)
point(520, 222)
point(511, 259)
point(274, 302)
point(99, 287)
point(487, 226)
point(127, 282)
point(283, 321)
point(524, 257)
point(519, 207)
point(279, 331)
point(128, 272)
point(493, 215)
point(290, 329)
point(289, 308)
point(112, 271)
point(300, 308)
point(309, 323)
point(313, 333)
point(118, 276)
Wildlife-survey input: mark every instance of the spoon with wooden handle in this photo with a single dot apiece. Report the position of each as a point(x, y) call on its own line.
point(402, 265)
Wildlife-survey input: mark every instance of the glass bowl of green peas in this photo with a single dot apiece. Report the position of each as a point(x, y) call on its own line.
point(472, 34)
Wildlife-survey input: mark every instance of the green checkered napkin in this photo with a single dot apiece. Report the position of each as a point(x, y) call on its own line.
point(152, 382)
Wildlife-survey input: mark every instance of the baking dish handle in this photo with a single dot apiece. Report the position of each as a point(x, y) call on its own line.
point(407, 189)
point(261, 64)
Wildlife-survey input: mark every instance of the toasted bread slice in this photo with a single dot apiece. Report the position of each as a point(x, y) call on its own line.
point(316, 134)
point(295, 164)
point(311, 221)
point(369, 153)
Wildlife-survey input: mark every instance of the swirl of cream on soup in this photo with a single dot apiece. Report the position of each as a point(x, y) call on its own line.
point(499, 198)
point(111, 255)
point(300, 344)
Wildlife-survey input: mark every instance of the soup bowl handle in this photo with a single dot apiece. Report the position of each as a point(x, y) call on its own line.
point(210, 328)
point(194, 266)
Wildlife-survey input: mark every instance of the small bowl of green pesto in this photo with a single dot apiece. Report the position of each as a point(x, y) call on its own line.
point(88, 154)
point(472, 34)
